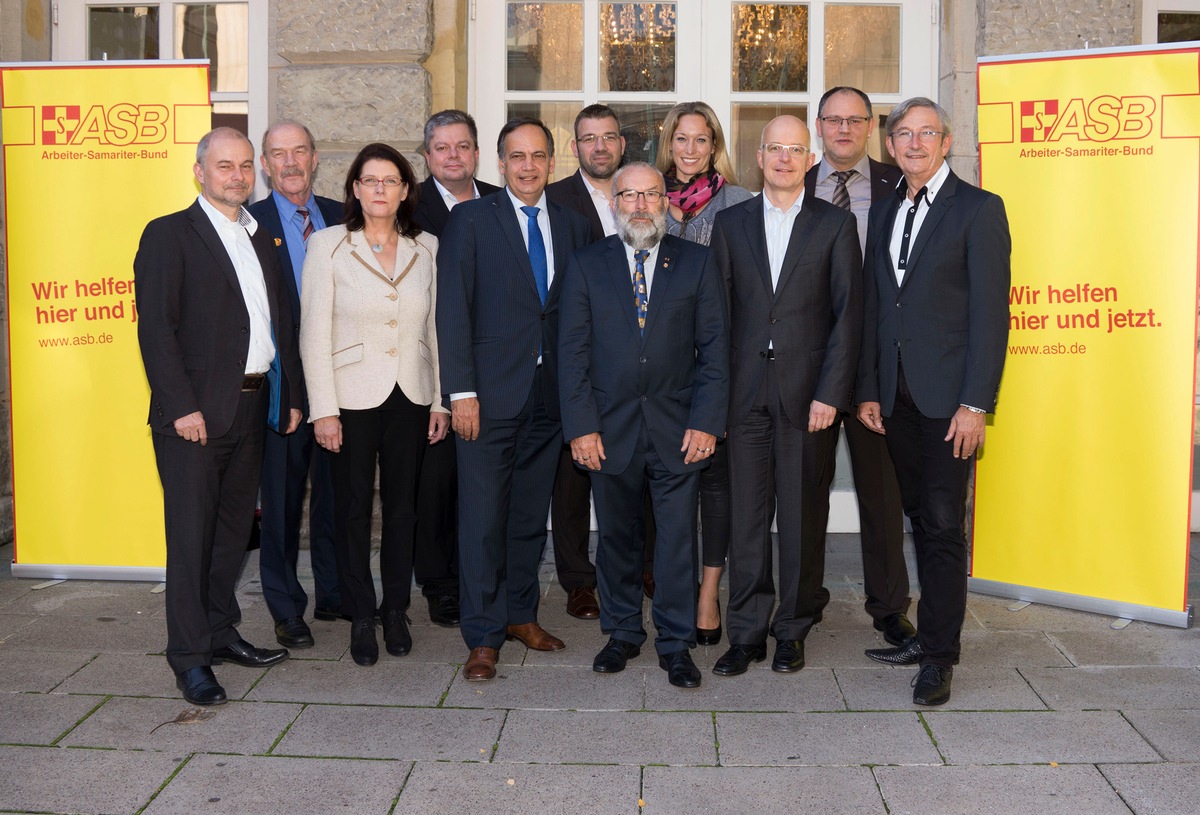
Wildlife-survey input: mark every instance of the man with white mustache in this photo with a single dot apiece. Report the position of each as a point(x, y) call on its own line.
point(644, 390)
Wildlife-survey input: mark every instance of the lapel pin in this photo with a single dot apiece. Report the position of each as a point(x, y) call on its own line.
point(278, 242)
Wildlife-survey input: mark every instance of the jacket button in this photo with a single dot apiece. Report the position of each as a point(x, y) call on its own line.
point(762, 353)
point(899, 304)
point(391, 352)
point(392, 296)
point(245, 330)
point(643, 397)
point(642, 360)
point(773, 321)
point(392, 324)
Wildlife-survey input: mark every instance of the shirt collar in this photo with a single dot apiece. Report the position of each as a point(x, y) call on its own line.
point(863, 168)
point(445, 193)
point(932, 187)
point(245, 219)
point(768, 207)
point(287, 210)
point(518, 203)
point(591, 189)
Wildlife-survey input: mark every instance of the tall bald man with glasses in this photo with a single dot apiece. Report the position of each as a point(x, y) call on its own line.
point(792, 266)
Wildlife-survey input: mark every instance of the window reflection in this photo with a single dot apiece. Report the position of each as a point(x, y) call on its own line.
point(641, 125)
point(862, 47)
point(219, 33)
point(748, 123)
point(545, 46)
point(770, 47)
point(637, 47)
point(123, 32)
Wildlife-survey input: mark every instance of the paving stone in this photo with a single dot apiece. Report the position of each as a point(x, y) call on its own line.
point(91, 598)
point(137, 635)
point(519, 789)
point(1062, 790)
point(149, 724)
point(391, 681)
point(1162, 789)
point(38, 671)
point(11, 624)
point(268, 785)
point(1067, 737)
point(759, 688)
point(1011, 648)
point(825, 790)
point(550, 688)
point(420, 734)
point(149, 675)
point(51, 779)
point(973, 689)
point(1085, 688)
point(40, 718)
point(1175, 734)
point(591, 737)
point(1135, 645)
point(823, 739)
point(992, 613)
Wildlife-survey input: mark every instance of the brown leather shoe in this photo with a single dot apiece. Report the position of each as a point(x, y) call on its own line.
point(481, 664)
point(535, 637)
point(648, 585)
point(581, 603)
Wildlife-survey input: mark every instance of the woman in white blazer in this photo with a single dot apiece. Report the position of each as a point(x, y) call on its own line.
point(370, 357)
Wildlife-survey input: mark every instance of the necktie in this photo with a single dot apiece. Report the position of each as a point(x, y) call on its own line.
point(902, 261)
point(306, 225)
point(640, 298)
point(537, 252)
point(841, 196)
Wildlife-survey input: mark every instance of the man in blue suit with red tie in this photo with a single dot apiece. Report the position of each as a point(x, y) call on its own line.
point(500, 263)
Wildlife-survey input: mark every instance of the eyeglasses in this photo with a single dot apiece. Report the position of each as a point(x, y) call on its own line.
point(372, 181)
point(837, 121)
point(919, 135)
point(631, 196)
point(794, 150)
point(592, 138)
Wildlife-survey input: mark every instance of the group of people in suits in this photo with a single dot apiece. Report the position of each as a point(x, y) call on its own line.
point(653, 337)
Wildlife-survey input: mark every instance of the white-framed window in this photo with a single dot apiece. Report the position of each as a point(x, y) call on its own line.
point(749, 59)
point(1170, 21)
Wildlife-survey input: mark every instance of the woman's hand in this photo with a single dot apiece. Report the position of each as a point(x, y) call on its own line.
point(439, 423)
point(328, 432)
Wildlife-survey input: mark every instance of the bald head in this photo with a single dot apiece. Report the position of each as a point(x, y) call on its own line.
point(784, 156)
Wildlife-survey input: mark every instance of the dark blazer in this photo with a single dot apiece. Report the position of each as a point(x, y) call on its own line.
point(674, 376)
point(193, 326)
point(431, 213)
point(267, 214)
point(572, 193)
point(884, 178)
point(491, 323)
point(949, 319)
point(813, 316)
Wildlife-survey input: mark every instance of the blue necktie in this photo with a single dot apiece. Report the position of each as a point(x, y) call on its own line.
point(537, 252)
point(640, 296)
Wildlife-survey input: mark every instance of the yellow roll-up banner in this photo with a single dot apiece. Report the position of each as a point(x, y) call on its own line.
point(92, 152)
point(1083, 490)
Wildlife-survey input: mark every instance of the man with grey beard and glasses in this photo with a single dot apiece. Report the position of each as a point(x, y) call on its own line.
point(644, 391)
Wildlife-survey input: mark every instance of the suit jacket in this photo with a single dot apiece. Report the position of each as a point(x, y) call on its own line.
point(949, 318)
point(267, 214)
point(363, 334)
point(431, 213)
point(884, 178)
point(813, 316)
point(491, 323)
point(572, 193)
point(673, 376)
point(193, 326)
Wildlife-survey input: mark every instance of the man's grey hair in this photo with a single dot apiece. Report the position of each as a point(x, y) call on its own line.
point(446, 118)
point(904, 108)
point(217, 133)
point(312, 142)
point(636, 165)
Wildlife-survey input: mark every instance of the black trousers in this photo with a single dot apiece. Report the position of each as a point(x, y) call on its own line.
point(436, 558)
point(209, 494)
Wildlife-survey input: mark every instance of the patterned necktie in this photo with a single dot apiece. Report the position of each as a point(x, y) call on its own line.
point(640, 297)
point(841, 196)
point(306, 225)
point(537, 252)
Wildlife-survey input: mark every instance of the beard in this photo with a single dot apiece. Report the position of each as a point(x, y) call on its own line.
point(641, 234)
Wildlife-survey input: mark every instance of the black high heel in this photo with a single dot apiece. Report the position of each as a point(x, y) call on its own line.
point(710, 636)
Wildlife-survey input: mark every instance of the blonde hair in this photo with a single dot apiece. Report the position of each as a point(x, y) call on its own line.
point(720, 157)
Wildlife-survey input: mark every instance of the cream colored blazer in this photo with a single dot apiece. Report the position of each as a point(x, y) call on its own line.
point(362, 334)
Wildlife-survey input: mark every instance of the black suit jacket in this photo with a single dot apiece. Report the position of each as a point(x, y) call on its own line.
point(193, 326)
point(431, 213)
point(813, 317)
point(267, 214)
point(673, 376)
point(491, 323)
point(884, 178)
point(949, 317)
point(572, 193)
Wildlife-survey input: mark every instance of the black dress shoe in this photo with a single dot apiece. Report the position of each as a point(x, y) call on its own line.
point(395, 633)
point(243, 653)
point(789, 656)
point(330, 614)
point(293, 633)
point(931, 685)
point(363, 647)
point(738, 658)
point(614, 655)
point(710, 636)
point(907, 654)
point(897, 629)
point(200, 687)
point(443, 610)
point(681, 671)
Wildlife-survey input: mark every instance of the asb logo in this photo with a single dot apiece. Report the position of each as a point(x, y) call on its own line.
point(118, 125)
point(1100, 119)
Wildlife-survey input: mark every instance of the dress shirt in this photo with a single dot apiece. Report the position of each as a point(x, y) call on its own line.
point(293, 228)
point(779, 232)
point(449, 198)
point(859, 187)
point(651, 262)
point(235, 236)
point(932, 188)
point(602, 204)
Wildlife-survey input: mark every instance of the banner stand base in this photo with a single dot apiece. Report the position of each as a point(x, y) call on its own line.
point(66, 571)
point(1079, 602)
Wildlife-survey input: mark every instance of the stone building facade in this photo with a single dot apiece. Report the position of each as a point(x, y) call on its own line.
point(358, 72)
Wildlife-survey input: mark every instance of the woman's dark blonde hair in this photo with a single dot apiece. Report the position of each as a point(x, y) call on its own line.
point(720, 159)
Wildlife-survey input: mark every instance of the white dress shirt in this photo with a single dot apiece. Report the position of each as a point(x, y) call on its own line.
point(932, 188)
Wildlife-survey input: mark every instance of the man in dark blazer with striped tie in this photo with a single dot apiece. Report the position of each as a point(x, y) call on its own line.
point(500, 264)
point(293, 464)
